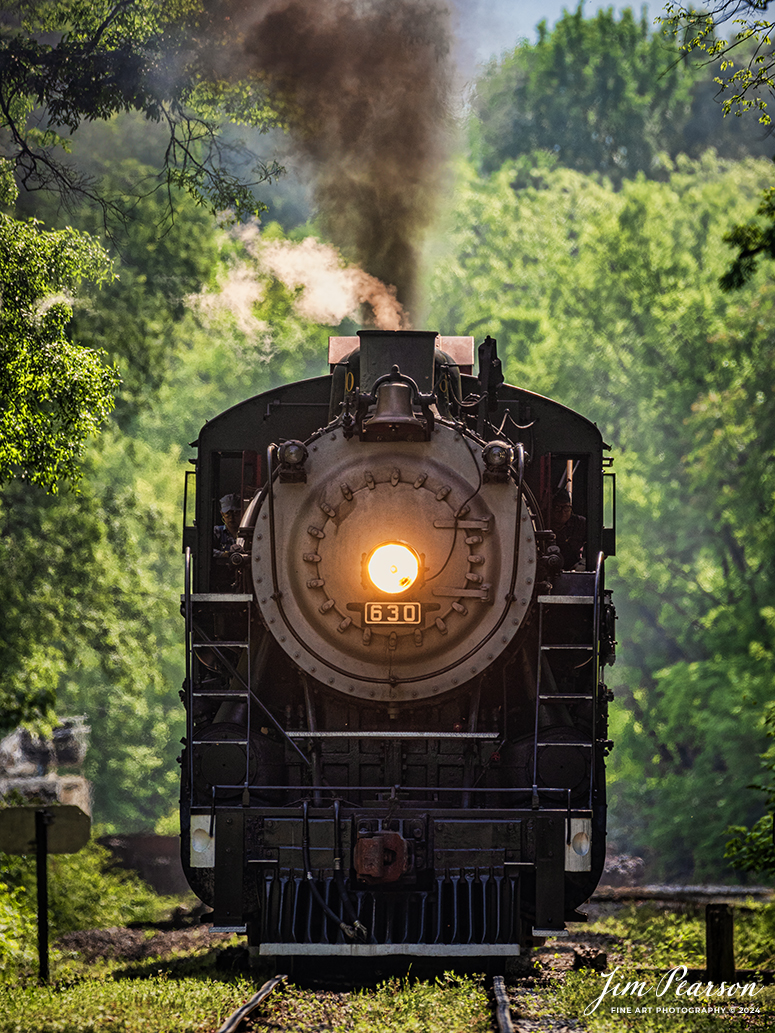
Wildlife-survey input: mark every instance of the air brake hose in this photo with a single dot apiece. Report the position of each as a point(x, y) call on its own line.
point(356, 931)
point(340, 881)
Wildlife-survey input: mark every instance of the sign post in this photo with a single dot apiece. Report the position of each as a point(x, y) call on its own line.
point(43, 829)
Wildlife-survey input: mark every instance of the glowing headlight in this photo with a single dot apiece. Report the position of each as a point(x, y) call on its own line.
point(393, 567)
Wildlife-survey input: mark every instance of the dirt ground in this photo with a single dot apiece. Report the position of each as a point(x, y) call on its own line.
point(122, 944)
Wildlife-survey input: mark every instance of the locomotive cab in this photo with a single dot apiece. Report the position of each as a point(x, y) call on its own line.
point(394, 689)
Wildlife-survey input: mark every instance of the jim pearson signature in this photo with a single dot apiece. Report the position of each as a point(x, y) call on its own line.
point(673, 980)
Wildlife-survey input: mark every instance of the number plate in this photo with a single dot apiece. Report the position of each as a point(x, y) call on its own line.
point(393, 613)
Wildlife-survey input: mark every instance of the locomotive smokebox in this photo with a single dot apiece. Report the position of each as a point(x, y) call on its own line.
point(411, 350)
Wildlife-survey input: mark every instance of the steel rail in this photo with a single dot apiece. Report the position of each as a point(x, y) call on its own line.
point(502, 1005)
point(233, 1022)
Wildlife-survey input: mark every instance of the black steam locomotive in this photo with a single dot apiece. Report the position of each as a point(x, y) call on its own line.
point(396, 716)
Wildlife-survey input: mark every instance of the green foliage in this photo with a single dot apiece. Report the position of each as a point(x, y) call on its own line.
point(661, 937)
point(744, 62)
point(153, 1005)
point(606, 300)
point(160, 1005)
point(135, 318)
point(691, 739)
point(53, 393)
point(747, 73)
point(86, 891)
point(751, 849)
point(450, 1002)
point(79, 62)
point(17, 926)
point(579, 990)
point(752, 240)
point(602, 95)
point(91, 609)
point(646, 941)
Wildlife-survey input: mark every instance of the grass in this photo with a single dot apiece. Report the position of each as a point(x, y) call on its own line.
point(451, 1004)
point(646, 942)
point(661, 937)
point(190, 1004)
point(157, 1004)
point(577, 993)
point(189, 993)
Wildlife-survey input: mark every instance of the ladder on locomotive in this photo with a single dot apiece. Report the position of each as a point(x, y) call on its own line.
point(236, 607)
point(587, 651)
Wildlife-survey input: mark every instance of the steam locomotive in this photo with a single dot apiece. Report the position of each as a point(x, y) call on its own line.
point(396, 713)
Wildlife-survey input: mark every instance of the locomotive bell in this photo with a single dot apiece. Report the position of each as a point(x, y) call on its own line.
point(394, 419)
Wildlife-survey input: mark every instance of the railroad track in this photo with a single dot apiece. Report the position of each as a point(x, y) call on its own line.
point(502, 1007)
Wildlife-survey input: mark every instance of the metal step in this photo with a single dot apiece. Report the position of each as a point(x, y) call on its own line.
point(566, 647)
point(222, 693)
point(570, 697)
point(219, 643)
point(219, 597)
point(582, 745)
point(219, 742)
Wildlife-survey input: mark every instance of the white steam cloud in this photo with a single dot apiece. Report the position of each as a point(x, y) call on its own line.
point(330, 290)
point(327, 290)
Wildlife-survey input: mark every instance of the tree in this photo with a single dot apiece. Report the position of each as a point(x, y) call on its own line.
point(63, 63)
point(744, 66)
point(601, 95)
point(53, 393)
point(134, 317)
point(69, 61)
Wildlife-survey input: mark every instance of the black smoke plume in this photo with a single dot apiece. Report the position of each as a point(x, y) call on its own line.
point(363, 88)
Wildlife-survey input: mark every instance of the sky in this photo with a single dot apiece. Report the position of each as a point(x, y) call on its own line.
point(491, 26)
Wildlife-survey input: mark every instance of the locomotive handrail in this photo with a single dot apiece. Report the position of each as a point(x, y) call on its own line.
point(599, 565)
point(518, 519)
point(188, 614)
point(392, 791)
point(300, 734)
